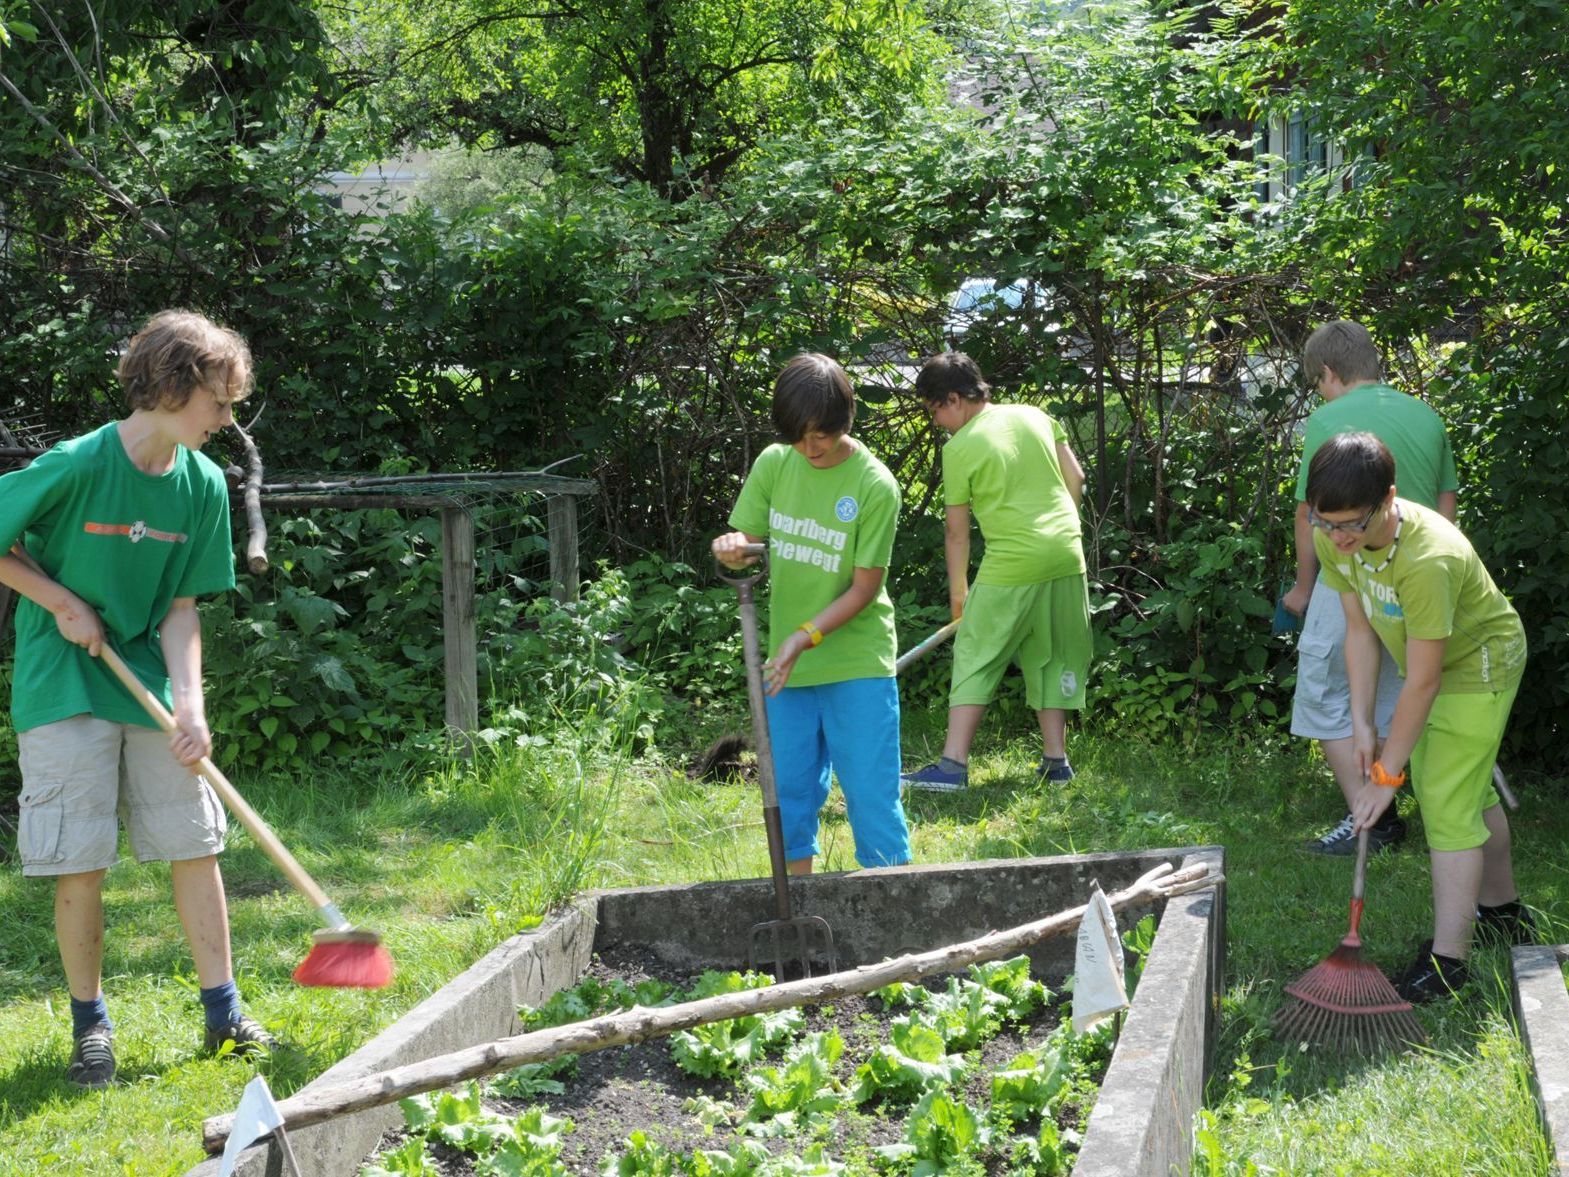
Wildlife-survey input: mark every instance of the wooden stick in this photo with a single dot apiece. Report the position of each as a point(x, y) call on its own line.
point(639, 1024)
point(926, 647)
point(256, 526)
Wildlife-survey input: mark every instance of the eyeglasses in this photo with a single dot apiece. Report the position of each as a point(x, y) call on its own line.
point(1356, 528)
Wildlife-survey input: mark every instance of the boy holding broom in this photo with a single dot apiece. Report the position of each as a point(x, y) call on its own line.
point(123, 529)
point(828, 509)
point(1012, 467)
point(1410, 582)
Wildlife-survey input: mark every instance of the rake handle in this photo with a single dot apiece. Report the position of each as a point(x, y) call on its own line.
point(1358, 887)
point(249, 818)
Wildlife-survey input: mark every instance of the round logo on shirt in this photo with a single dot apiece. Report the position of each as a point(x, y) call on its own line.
point(138, 531)
point(847, 508)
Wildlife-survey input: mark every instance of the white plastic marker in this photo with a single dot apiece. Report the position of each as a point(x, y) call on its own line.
point(1098, 990)
point(256, 1116)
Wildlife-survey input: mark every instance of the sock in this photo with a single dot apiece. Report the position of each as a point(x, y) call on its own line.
point(222, 1003)
point(1054, 761)
point(948, 764)
point(87, 1014)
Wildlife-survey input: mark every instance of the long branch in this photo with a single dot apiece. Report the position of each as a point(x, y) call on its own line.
point(640, 1024)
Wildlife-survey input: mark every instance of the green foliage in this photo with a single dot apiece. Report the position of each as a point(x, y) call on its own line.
point(458, 1121)
point(912, 1062)
point(408, 1160)
point(1011, 980)
point(1041, 1155)
point(943, 1137)
point(1034, 1082)
point(727, 1047)
point(1139, 939)
point(798, 1094)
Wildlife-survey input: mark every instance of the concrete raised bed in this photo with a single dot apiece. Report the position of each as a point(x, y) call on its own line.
point(1142, 1120)
point(1542, 1008)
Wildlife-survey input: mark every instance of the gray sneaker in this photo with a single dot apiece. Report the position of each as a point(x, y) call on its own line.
point(245, 1032)
point(1341, 841)
point(92, 1058)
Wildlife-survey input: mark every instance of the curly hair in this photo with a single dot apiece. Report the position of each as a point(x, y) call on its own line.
point(175, 353)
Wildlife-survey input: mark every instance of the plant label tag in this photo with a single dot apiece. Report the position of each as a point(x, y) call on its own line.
point(1098, 989)
point(256, 1116)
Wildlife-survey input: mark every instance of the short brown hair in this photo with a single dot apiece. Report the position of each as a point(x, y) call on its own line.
point(812, 392)
point(175, 353)
point(1350, 472)
point(950, 372)
point(1346, 349)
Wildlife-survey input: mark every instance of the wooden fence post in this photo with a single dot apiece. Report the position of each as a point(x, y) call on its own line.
point(562, 535)
point(457, 627)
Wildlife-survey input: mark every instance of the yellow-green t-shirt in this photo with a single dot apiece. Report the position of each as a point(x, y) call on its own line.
point(1002, 463)
point(821, 526)
point(125, 541)
point(1433, 586)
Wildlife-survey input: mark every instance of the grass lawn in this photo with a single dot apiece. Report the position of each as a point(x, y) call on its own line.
point(448, 861)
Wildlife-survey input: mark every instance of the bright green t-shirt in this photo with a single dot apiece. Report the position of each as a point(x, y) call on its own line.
point(821, 526)
point(128, 543)
point(1414, 433)
point(1434, 586)
point(1003, 464)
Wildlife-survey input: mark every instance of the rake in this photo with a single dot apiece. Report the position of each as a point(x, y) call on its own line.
point(1346, 1002)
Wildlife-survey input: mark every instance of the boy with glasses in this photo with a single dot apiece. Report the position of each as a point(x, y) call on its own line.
point(1411, 585)
point(1342, 363)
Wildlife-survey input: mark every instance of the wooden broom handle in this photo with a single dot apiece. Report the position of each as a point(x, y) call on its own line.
point(249, 818)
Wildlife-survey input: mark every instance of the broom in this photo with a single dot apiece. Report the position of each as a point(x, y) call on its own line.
point(1346, 1001)
point(343, 956)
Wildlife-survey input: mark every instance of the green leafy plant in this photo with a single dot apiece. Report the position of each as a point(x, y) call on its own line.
point(1011, 979)
point(798, 1093)
point(1034, 1082)
point(943, 1136)
point(912, 1062)
point(642, 1157)
point(1043, 1155)
point(964, 1015)
point(726, 1047)
point(410, 1159)
point(534, 1149)
point(458, 1121)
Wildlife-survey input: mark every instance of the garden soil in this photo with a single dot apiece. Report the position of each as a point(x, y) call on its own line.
point(622, 1089)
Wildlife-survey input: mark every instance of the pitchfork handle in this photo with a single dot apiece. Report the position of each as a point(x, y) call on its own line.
point(751, 648)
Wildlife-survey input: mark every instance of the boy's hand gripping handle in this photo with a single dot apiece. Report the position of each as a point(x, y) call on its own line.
point(249, 818)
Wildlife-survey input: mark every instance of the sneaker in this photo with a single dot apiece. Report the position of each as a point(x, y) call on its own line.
point(1341, 841)
point(1055, 771)
point(937, 777)
point(1431, 976)
point(245, 1032)
point(92, 1058)
point(1504, 926)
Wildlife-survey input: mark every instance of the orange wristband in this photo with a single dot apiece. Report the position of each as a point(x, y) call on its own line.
point(1380, 777)
point(812, 632)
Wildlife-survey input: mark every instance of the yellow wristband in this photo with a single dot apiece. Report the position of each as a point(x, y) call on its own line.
point(812, 632)
point(1380, 777)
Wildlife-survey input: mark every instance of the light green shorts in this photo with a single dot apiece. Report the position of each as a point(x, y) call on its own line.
point(81, 775)
point(1452, 766)
point(1044, 627)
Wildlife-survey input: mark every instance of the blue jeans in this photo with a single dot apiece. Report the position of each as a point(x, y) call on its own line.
point(850, 730)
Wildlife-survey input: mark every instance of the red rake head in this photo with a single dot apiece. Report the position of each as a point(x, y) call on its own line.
point(1346, 1002)
point(350, 959)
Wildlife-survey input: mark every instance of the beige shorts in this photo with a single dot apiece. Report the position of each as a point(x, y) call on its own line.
point(80, 774)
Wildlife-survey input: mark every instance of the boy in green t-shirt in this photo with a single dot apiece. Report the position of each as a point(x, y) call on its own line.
point(120, 531)
point(1409, 579)
point(828, 509)
point(1011, 467)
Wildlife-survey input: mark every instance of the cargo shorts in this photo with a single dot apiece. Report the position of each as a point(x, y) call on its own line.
point(81, 776)
point(1321, 706)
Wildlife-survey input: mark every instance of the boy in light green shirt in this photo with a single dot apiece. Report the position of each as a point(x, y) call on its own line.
point(1010, 467)
point(828, 509)
point(1409, 581)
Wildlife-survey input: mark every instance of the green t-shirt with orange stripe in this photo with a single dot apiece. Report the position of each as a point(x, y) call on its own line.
point(125, 541)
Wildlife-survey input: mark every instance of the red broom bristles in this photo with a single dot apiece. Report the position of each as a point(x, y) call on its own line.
point(351, 959)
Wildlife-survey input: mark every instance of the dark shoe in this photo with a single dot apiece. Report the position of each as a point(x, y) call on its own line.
point(246, 1034)
point(1341, 841)
point(1056, 772)
point(1504, 926)
point(938, 777)
point(1431, 976)
point(92, 1058)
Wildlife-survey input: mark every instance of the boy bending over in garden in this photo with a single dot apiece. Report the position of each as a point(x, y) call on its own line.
point(827, 508)
point(1011, 466)
point(1409, 581)
point(124, 528)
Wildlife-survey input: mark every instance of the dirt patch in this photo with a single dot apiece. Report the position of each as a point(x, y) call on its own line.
point(641, 1087)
